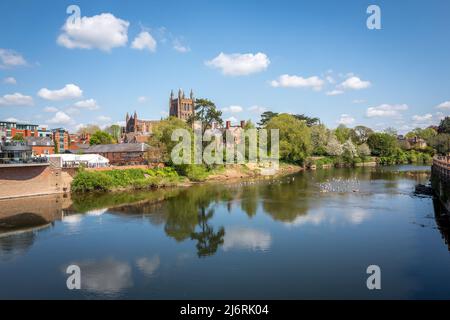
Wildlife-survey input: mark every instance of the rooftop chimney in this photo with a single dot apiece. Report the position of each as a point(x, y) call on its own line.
point(228, 124)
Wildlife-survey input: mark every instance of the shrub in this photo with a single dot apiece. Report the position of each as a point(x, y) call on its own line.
point(86, 181)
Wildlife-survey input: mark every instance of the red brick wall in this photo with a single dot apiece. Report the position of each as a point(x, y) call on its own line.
point(32, 180)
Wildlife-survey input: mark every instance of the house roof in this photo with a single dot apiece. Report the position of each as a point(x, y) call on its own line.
point(39, 141)
point(120, 147)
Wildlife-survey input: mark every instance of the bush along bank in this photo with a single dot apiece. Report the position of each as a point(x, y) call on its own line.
point(401, 157)
point(114, 180)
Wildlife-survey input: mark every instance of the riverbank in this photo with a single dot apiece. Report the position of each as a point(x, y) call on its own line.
point(143, 179)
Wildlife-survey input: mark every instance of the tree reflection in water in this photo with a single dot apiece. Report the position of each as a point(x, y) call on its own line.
point(208, 241)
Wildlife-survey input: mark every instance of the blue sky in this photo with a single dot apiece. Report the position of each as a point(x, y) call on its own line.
point(311, 57)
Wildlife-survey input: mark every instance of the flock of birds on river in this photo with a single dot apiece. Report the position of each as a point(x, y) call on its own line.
point(336, 185)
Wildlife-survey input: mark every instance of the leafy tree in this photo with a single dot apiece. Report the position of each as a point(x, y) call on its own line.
point(101, 137)
point(382, 144)
point(360, 134)
point(444, 126)
point(295, 137)
point(265, 117)
point(391, 131)
point(364, 150)
point(319, 139)
point(425, 134)
point(349, 150)
point(334, 147)
point(207, 113)
point(114, 130)
point(90, 129)
point(310, 121)
point(342, 133)
point(162, 136)
point(441, 143)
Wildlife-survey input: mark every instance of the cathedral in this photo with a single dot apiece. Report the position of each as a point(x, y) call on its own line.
point(181, 106)
point(137, 130)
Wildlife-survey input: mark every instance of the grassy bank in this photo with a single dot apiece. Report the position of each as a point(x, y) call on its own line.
point(113, 180)
point(144, 179)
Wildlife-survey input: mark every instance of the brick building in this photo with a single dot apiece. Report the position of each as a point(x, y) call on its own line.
point(11, 129)
point(122, 154)
point(61, 140)
point(40, 145)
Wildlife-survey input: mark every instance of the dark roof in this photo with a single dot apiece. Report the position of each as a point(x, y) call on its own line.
point(39, 141)
point(120, 147)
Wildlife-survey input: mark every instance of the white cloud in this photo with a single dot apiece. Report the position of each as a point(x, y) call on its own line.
point(70, 91)
point(238, 64)
point(106, 276)
point(16, 99)
point(89, 104)
point(10, 80)
point(178, 46)
point(144, 41)
point(11, 119)
point(60, 118)
point(358, 101)
point(233, 109)
point(346, 119)
point(72, 111)
point(246, 238)
point(386, 110)
point(142, 99)
point(50, 109)
point(334, 92)
point(103, 32)
point(148, 266)
point(288, 81)
point(444, 105)
point(425, 118)
point(103, 118)
point(354, 83)
point(10, 58)
point(257, 109)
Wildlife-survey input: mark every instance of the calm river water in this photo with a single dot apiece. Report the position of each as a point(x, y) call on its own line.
point(310, 235)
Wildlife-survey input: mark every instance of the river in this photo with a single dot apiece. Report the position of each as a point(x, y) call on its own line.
point(309, 235)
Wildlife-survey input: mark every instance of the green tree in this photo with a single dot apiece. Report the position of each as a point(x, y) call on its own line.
point(342, 133)
point(425, 134)
point(360, 134)
point(334, 147)
point(441, 143)
point(364, 150)
point(207, 113)
point(382, 144)
point(162, 136)
point(391, 131)
point(319, 139)
point(115, 131)
point(444, 126)
point(101, 137)
point(90, 129)
point(310, 121)
point(295, 137)
point(265, 117)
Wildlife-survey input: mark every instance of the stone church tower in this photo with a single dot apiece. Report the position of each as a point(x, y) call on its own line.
point(181, 106)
